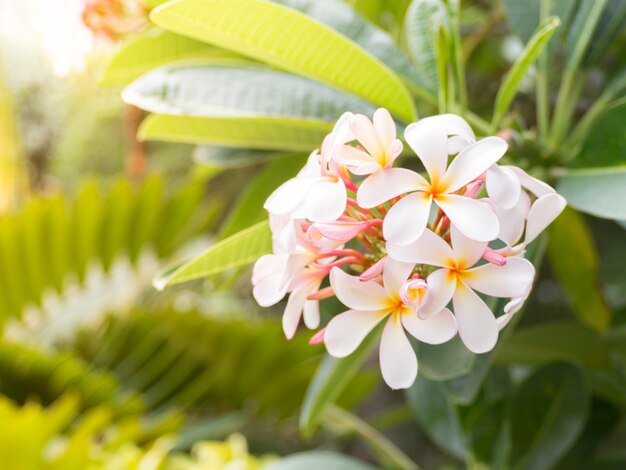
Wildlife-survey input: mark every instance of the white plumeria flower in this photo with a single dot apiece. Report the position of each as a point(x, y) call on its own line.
point(318, 192)
point(429, 138)
point(378, 138)
point(521, 216)
point(370, 303)
point(458, 278)
point(268, 279)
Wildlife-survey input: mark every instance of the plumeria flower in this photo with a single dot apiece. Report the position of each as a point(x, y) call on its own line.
point(378, 138)
point(459, 278)
point(429, 138)
point(371, 303)
point(318, 192)
point(521, 217)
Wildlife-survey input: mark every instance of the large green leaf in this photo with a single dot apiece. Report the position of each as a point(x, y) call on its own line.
point(330, 380)
point(217, 91)
point(158, 48)
point(345, 20)
point(437, 416)
point(605, 144)
point(318, 459)
point(578, 273)
point(228, 157)
point(424, 19)
point(554, 341)
point(248, 209)
point(547, 414)
point(529, 55)
point(240, 249)
point(596, 191)
point(250, 132)
point(291, 41)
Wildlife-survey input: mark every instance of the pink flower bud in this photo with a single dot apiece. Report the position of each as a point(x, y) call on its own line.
point(494, 257)
point(318, 338)
point(374, 270)
point(413, 292)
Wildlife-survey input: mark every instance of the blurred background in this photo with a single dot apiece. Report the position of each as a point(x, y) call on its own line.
point(99, 368)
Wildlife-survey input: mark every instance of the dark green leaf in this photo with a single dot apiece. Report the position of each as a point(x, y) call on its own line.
point(574, 259)
point(547, 414)
point(437, 416)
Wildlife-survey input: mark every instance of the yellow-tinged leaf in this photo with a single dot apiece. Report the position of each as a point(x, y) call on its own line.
point(290, 40)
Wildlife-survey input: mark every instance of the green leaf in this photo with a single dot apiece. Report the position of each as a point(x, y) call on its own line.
point(423, 20)
point(318, 459)
point(547, 413)
point(445, 361)
point(596, 191)
point(240, 249)
point(158, 48)
point(226, 157)
point(554, 341)
point(574, 259)
point(524, 17)
point(529, 55)
point(330, 380)
point(220, 91)
point(248, 209)
point(605, 145)
point(437, 416)
point(259, 133)
point(312, 49)
point(345, 20)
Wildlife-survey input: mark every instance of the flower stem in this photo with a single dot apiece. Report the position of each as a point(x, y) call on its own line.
point(387, 451)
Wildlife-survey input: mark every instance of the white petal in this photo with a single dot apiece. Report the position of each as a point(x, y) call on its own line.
point(537, 187)
point(352, 156)
point(340, 231)
point(458, 143)
point(398, 363)
point(385, 127)
point(456, 126)
point(511, 280)
point(467, 251)
point(542, 213)
point(441, 287)
point(429, 140)
point(435, 329)
point(406, 220)
point(312, 314)
point(267, 265)
point(347, 330)
point(473, 217)
point(387, 184)
point(513, 220)
point(341, 132)
point(289, 195)
point(325, 202)
point(365, 133)
point(357, 294)
point(503, 186)
point(270, 290)
point(428, 249)
point(293, 310)
point(393, 151)
point(477, 326)
point(473, 162)
point(394, 275)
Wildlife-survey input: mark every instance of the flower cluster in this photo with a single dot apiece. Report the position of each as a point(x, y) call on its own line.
point(410, 250)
